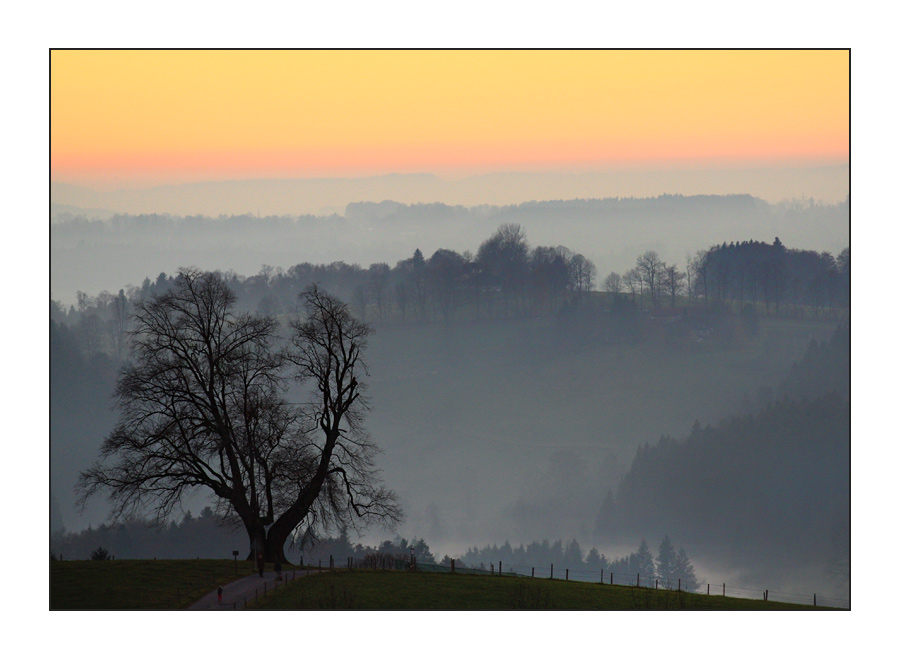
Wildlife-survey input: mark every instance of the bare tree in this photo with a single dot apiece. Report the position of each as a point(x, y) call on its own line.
point(700, 267)
point(613, 284)
point(378, 277)
point(265, 274)
point(327, 351)
point(202, 406)
point(632, 281)
point(690, 270)
point(671, 282)
point(583, 273)
point(650, 268)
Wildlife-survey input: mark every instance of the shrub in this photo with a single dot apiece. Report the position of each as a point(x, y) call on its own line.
point(100, 554)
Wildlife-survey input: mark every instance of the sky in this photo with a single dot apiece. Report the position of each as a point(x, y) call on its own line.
point(131, 119)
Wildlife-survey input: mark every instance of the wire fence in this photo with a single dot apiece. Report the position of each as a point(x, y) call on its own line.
point(387, 561)
point(636, 580)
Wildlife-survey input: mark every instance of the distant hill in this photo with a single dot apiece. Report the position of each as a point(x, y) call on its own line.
point(612, 232)
point(324, 196)
point(67, 212)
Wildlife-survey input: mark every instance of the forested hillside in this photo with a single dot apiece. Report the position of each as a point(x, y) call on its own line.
point(510, 395)
point(767, 490)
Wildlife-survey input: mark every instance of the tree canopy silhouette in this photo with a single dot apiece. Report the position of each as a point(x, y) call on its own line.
point(203, 405)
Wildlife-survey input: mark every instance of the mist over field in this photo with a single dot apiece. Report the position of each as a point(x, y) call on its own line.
point(528, 409)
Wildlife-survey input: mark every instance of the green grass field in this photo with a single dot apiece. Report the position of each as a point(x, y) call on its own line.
point(139, 584)
point(175, 584)
point(394, 590)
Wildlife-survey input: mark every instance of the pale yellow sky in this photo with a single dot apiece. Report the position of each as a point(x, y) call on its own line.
point(171, 116)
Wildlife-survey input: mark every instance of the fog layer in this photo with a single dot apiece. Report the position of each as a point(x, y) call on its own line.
point(95, 255)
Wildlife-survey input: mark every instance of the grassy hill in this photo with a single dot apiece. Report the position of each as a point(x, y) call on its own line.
point(173, 585)
point(392, 590)
point(140, 584)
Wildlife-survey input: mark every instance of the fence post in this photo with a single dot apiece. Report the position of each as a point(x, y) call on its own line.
point(567, 575)
point(723, 589)
point(610, 577)
point(331, 562)
point(639, 579)
point(814, 600)
point(532, 571)
point(551, 571)
point(679, 584)
point(707, 589)
point(501, 568)
point(656, 586)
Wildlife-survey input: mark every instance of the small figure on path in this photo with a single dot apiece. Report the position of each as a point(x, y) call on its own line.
point(278, 569)
point(260, 563)
point(220, 594)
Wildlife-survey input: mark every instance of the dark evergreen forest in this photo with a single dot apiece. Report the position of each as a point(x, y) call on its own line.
point(768, 489)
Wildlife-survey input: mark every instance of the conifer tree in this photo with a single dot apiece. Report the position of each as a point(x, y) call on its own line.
point(684, 570)
point(644, 563)
point(665, 563)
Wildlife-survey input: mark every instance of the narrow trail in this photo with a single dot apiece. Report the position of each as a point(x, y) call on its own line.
point(243, 591)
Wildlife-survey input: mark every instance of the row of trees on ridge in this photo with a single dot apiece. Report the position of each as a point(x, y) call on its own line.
point(506, 277)
point(749, 272)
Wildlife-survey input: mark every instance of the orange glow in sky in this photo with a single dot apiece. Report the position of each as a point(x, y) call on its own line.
point(173, 116)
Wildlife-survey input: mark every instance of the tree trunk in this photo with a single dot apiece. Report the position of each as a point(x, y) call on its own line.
point(271, 546)
point(258, 543)
point(275, 546)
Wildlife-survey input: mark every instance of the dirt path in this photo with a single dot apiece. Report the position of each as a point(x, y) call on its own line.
point(236, 595)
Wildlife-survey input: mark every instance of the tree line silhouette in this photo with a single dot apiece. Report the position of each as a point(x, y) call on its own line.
point(668, 567)
point(507, 278)
point(211, 536)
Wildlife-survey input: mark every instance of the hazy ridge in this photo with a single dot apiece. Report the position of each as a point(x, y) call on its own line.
point(95, 255)
point(323, 196)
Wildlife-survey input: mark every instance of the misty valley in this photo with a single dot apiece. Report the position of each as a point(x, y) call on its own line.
point(530, 405)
